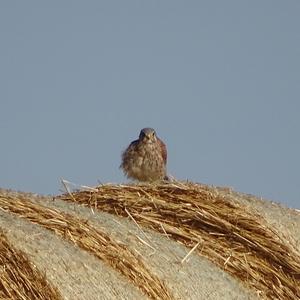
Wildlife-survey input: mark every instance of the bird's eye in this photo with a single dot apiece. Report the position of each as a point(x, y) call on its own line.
point(142, 135)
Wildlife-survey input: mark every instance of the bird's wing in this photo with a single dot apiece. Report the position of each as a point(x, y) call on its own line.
point(163, 150)
point(128, 151)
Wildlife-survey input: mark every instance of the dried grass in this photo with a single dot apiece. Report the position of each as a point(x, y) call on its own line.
point(19, 279)
point(92, 240)
point(236, 239)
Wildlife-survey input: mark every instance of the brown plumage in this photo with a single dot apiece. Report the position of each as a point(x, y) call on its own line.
point(146, 158)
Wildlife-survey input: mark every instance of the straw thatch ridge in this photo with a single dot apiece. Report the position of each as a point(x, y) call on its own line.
point(19, 279)
point(238, 240)
point(90, 239)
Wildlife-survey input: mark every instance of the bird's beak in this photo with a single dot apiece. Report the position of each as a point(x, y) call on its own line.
point(145, 138)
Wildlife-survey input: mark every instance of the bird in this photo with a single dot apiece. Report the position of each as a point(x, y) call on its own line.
point(145, 159)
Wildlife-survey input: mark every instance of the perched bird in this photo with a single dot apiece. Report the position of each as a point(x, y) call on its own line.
point(146, 158)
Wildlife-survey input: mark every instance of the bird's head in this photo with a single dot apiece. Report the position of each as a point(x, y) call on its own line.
point(147, 135)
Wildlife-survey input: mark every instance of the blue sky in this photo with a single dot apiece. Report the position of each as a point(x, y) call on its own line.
point(218, 80)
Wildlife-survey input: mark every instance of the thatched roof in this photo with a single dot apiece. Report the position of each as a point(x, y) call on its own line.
point(239, 239)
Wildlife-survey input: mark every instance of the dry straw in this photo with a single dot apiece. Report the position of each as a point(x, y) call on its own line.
point(19, 279)
point(90, 239)
point(236, 239)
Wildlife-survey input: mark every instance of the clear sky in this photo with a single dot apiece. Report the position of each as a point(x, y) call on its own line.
point(218, 80)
